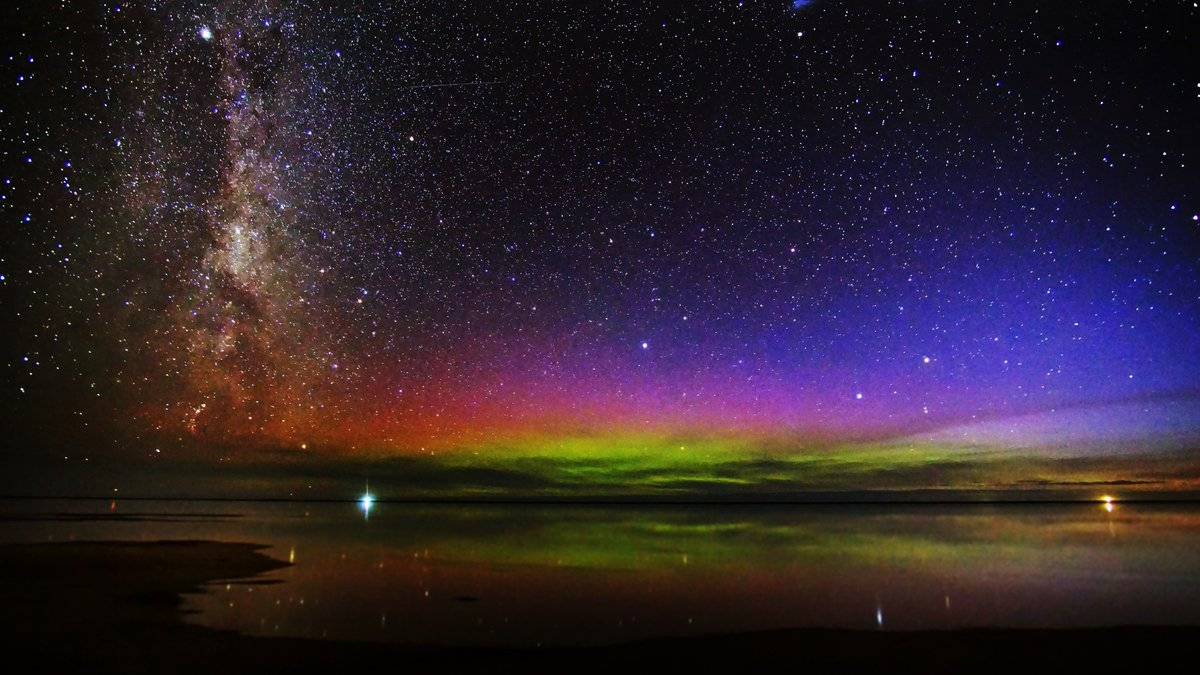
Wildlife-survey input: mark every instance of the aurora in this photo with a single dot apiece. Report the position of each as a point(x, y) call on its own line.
point(287, 246)
point(623, 336)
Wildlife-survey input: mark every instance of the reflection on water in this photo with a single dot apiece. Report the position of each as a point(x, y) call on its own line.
point(571, 574)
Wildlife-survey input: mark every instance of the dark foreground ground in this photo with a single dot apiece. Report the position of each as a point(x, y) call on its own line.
point(114, 607)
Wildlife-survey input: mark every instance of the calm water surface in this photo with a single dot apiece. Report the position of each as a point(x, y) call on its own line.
point(528, 575)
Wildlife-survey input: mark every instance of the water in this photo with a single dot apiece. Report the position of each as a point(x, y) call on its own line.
point(529, 575)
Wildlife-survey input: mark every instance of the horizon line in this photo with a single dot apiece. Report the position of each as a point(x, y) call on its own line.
point(634, 501)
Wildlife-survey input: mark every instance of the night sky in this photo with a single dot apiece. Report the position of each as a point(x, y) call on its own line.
point(604, 247)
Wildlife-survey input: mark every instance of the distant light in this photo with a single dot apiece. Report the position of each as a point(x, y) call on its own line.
point(366, 503)
point(858, 396)
point(925, 359)
point(206, 33)
point(645, 345)
point(1108, 503)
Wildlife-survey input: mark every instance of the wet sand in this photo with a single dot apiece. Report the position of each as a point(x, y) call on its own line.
point(115, 607)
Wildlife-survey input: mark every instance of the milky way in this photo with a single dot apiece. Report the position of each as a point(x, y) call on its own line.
point(672, 238)
point(250, 324)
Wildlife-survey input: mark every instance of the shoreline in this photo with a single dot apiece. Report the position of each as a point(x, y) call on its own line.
point(116, 606)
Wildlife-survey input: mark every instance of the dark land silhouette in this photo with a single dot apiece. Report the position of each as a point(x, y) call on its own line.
point(115, 607)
